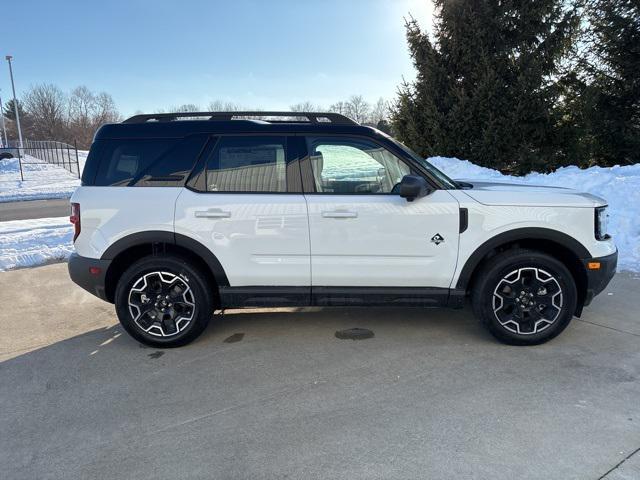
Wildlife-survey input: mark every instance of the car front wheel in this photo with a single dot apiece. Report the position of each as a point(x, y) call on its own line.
point(524, 297)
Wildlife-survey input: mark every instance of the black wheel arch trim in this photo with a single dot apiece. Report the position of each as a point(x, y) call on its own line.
point(207, 255)
point(135, 239)
point(166, 237)
point(527, 233)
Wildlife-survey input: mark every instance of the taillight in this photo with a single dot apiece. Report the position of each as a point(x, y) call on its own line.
point(75, 219)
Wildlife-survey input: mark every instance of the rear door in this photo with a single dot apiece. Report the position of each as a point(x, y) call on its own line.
point(247, 207)
point(363, 234)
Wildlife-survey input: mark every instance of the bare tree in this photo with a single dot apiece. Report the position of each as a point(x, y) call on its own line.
point(81, 104)
point(106, 110)
point(306, 107)
point(87, 111)
point(379, 112)
point(357, 108)
point(221, 106)
point(184, 108)
point(45, 104)
point(339, 107)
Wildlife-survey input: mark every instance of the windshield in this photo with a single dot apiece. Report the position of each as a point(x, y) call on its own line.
point(446, 181)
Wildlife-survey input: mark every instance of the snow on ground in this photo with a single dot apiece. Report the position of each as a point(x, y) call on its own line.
point(620, 186)
point(26, 243)
point(41, 180)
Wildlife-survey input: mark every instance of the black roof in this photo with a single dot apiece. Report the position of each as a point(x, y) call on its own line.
point(172, 125)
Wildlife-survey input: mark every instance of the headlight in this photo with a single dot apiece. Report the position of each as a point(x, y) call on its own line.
point(602, 223)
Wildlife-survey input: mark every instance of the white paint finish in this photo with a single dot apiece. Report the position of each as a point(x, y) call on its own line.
point(356, 240)
point(486, 222)
point(383, 240)
point(111, 213)
point(511, 194)
point(260, 239)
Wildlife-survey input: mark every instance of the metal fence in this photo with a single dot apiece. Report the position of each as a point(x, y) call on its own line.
point(45, 151)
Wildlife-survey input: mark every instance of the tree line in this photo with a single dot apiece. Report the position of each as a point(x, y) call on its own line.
point(521, 86)
point(48, 113)
point(356, 107)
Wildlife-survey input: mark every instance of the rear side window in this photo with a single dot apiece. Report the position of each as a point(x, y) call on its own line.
point(174, 166)
point(147, 162)
point(248, 164)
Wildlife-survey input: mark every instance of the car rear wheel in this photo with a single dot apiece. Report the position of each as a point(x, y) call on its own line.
point(164, 301)
point(524, 297)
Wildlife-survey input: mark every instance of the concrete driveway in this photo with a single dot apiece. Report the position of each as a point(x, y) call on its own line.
point(273, 394)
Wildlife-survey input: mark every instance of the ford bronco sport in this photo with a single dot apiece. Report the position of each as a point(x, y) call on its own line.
point(182, 214)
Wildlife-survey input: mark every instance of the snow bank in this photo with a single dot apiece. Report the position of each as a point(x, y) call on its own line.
point(619, 185)
point(41, 180)
point(26, 243)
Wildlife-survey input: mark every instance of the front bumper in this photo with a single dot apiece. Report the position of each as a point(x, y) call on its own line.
point(89, 273)
point(597, 280)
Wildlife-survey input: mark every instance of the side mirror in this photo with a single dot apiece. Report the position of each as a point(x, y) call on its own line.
point(413, 186)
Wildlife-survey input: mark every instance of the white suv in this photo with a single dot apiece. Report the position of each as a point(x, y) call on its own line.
point(182, 214)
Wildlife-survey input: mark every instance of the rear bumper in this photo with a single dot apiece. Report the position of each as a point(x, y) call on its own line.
point(80, 271)
point(597, 280)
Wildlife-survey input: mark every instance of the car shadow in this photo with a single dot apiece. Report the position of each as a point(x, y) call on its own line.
point(313, 323)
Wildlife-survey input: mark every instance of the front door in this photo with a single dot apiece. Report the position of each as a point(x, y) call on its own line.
point(363, 234)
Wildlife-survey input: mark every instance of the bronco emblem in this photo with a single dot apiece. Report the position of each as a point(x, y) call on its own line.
point(437, 239)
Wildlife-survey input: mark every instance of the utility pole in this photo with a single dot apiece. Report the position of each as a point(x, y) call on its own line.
point(5, 140)
point(15, 100)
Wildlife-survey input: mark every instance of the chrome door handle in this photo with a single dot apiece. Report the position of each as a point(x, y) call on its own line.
point(340, 214)
point(212, 213)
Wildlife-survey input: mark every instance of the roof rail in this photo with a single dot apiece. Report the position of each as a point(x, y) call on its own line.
point(311, 117)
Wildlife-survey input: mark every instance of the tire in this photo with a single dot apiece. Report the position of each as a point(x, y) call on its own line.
point(188, 302)
point(524, 297)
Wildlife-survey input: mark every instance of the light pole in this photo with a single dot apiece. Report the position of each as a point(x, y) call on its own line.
point(5, 140)
point(15, 101)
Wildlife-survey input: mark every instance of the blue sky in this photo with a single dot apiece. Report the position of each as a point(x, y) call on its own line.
point(270, 54)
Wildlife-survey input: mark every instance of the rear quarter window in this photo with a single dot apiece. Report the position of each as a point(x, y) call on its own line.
point(147, 162)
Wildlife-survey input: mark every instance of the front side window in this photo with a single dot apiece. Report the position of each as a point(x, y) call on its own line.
point(440, 176)
point(247, 164)
point(348, 165)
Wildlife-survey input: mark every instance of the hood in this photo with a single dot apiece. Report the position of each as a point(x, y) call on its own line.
point(517, 194)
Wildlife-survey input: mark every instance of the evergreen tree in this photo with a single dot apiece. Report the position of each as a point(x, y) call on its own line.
point(10, 110)
point(26, 122)
point(487, 84)
point(612, 97)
